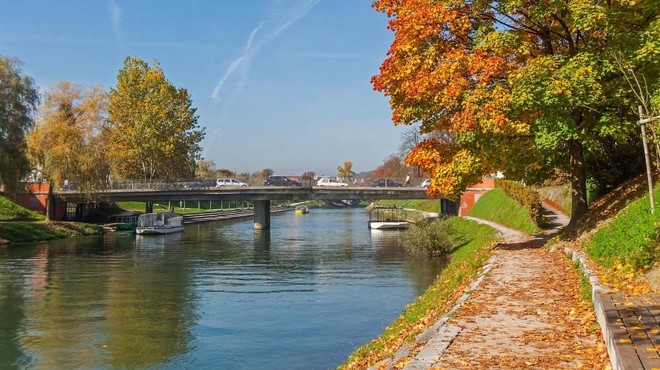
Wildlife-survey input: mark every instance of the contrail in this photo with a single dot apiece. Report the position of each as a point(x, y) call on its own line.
point(254, 44)
point(115, 19)
point(247, 55)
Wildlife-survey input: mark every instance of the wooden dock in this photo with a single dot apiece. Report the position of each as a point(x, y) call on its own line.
point(632, 329)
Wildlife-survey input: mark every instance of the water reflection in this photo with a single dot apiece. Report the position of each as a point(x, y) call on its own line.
point(220, 295)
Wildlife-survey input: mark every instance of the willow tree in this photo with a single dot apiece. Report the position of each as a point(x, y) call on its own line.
point(67, 143)
point(18, 102)
point(152, 126)
point(527, 87)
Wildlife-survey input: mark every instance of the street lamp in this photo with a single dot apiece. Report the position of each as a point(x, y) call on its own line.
point(642, 122)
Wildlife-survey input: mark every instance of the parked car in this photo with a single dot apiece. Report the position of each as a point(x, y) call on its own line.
point(280, 181)
point(385, 183)
point(426, 183)
point(229, 182)
point(327, 181)
point(200, 184)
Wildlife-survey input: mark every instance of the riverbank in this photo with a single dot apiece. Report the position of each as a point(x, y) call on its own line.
point(12, 232)
point(465, 265)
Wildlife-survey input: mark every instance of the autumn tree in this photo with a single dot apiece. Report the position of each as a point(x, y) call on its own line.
point(392, 167)
point(152, 126)
point(205, 169)
point(18, 102)
point(308, 175)
point(224, 172)
point(522, 87)
point(266, 172)
point(409, 141)
point(67, 142)
point(345, 172)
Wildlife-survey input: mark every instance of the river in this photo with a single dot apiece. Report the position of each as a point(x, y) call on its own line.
point(220, 295)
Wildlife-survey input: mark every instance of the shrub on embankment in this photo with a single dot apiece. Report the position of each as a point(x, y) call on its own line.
point(473, 242)
point(526, 197)
point(498, 207)
point(431, 238)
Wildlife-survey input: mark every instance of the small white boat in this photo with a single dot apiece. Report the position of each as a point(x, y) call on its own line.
point(159, 223)
point(387, 218)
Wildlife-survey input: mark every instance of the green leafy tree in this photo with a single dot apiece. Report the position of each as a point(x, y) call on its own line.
point(18, 102)
point(67, 144)
point(523, 87)
point(152, 126)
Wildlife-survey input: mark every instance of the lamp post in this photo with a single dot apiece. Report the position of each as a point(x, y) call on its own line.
point(642, 122)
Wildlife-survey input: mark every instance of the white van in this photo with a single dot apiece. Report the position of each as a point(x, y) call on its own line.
point(219, 183)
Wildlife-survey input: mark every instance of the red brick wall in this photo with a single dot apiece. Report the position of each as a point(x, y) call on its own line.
point(472, 194)
point(33, 198)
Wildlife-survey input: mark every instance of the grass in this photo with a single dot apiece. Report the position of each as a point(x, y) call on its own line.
point(10, 211)
point(630, 238)
point(23, 232)
point(424, 205)
point(473, 250)
point(498, 207)
point(188, 207)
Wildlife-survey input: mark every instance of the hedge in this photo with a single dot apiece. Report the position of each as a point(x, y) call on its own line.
point(527, 197)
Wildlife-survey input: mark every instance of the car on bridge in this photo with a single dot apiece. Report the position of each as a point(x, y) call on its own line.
point(385, 183)
point(280, 181)
point(328, 181)
point(227, 182)
point(425, 184)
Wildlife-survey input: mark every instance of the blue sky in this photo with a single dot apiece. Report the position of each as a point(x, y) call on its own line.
point(281, 84)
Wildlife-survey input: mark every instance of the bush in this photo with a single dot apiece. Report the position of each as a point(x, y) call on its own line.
point(527, 197)
point(428, 237)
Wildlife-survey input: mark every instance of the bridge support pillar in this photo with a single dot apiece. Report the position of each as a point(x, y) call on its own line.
point(149, 207)
point(262, 215)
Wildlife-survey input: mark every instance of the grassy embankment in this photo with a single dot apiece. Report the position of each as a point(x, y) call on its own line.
point(20, 225)
point(496, 206)
point(424, 205)
point(625, 245)
point(474, 242)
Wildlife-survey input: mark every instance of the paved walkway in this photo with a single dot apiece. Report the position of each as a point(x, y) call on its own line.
point(524, 312)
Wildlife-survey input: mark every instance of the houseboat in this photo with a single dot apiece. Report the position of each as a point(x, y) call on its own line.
point(159, 223)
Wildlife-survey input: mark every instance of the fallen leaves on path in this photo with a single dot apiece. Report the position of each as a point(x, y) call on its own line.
point(528, 313)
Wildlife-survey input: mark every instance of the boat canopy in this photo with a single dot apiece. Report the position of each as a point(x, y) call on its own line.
point(386, 214)
point(159, 219)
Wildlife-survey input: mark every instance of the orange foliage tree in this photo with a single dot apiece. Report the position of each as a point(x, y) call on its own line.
point(520, 86)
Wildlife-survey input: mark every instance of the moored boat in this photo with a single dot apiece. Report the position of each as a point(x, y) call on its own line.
point(159, 223)
point(387, 218)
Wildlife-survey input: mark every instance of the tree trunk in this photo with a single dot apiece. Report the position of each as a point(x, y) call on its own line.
point(578, 180)
point(50, 203)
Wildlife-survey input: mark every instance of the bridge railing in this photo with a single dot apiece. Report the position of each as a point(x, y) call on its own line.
point(211, 184)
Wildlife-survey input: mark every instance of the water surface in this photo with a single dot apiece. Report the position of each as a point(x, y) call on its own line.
point(302, 295)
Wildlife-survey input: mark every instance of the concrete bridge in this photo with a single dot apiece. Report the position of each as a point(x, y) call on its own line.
point(259, 196)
